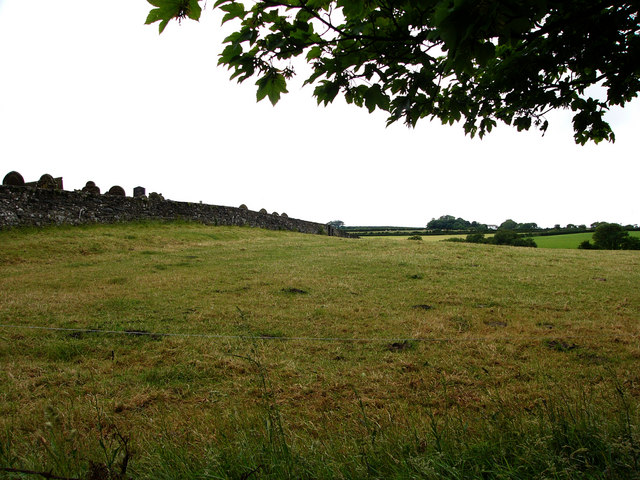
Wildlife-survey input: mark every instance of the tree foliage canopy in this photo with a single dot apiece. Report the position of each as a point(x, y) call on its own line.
point(612, 236)
point(478, 62)
point(449, 222)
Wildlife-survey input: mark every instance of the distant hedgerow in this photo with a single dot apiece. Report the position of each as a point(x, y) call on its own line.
point(501, 237)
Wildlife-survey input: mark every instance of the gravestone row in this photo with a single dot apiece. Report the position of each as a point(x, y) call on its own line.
point(48, 182)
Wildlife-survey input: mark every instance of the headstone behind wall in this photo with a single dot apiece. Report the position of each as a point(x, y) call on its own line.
point(91, 187)
point(117, 190)
point(47, 182)
point(13, 179)
point(139, 192)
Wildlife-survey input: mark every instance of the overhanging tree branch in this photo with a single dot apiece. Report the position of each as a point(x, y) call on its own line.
point(471, 62)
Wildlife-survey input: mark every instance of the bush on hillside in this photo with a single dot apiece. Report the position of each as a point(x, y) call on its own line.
point(586, 245)
point(502, 237)
point(524, 242)
point(476, 238)
point(611, 236)
point(631, 243)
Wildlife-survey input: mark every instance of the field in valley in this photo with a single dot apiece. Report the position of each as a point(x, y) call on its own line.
point(186, 351)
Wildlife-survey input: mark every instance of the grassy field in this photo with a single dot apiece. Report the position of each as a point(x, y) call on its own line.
point(259, 354)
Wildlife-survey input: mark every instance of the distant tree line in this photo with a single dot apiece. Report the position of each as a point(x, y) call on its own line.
point(513, 225)
point(451, 223)
point(607, 236)
point(448, 224)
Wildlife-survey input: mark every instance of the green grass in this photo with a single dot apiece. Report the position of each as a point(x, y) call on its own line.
point(522, 363)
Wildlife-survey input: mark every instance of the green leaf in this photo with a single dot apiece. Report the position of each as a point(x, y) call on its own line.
point(195, 11)
point(303, 16)
point(234, 10)
point(326, 92)
point(374, 97)
point(271, 85)
point(230, 54)
point(485, 52)
point(172, 9)
point(314, 52)
point(522, 123)
point(354, 9)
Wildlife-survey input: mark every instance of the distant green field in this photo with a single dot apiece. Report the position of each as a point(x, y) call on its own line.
point(571, 240)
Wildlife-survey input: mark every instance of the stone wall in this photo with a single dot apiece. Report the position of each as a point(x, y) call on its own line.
point(32, 206)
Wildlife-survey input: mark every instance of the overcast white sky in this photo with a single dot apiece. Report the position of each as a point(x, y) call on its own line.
point(88, 92)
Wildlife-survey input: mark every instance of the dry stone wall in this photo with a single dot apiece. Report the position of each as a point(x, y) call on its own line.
point(32, 206)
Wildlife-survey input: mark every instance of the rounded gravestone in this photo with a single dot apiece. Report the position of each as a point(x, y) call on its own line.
point(91, 187)
point(14, 179)
point(47, 182)
point(117, 191)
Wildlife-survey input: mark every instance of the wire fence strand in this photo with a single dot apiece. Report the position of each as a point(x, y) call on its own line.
point(312, 339)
